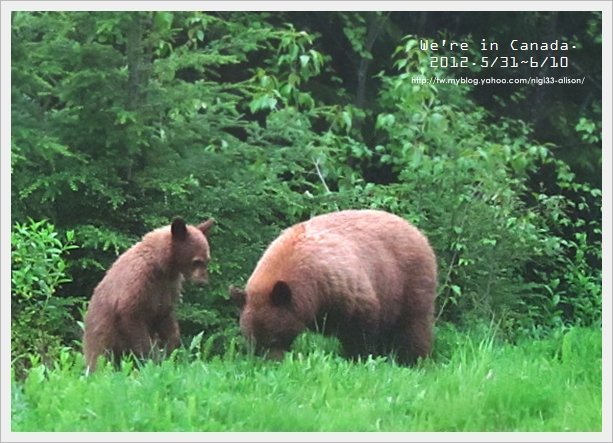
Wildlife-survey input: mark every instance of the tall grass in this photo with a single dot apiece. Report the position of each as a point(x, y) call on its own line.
point(471, 384)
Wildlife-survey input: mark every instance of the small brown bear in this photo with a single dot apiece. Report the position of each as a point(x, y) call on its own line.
point(365, 276)
point(133, 307)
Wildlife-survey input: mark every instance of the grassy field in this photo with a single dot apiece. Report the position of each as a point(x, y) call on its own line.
point(471, 384)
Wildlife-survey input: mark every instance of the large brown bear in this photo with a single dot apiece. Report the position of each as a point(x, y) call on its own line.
point(132, 309)
point(365, 276)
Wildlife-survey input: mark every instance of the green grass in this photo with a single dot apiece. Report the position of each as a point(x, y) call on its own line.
point(470, 384)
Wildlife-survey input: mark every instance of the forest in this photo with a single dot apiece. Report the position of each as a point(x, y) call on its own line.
point(121, 121)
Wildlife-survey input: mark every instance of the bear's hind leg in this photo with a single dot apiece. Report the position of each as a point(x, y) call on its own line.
point(414, 339)
point(92, 351)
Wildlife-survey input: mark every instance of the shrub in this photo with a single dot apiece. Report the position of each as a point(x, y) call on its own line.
point(39, 317)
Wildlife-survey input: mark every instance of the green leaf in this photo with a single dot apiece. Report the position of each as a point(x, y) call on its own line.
point(163, 20)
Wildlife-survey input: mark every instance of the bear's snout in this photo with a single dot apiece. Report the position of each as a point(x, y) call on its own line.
point(199, 276)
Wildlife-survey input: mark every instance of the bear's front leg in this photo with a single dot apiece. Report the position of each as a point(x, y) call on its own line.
point(168, 332)
point(136, 336)
point(359, 338)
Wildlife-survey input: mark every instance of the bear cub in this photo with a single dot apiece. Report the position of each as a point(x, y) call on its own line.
point(367, 277)
point(133, 307)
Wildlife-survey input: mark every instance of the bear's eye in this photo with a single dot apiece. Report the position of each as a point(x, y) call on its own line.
point(197, 263)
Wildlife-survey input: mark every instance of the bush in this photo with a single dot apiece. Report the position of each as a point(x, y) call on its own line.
point(39, 318)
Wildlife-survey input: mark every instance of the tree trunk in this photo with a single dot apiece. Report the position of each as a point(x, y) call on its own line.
point(375, 23)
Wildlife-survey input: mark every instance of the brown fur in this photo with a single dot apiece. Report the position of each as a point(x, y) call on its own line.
point(367, 277)
point(133, 307)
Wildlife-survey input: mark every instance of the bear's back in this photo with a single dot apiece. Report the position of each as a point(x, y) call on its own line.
point(385, 247)
point(141, 277)
point(349, 252)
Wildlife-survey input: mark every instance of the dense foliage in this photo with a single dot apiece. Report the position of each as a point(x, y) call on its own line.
point(40, 318)
point(122, 120)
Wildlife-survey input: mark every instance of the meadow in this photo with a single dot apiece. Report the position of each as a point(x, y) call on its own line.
point(122, 120)
point(473, 382)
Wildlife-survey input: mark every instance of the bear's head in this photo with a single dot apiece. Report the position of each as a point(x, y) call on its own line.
point(270, 318)
point(190, 249)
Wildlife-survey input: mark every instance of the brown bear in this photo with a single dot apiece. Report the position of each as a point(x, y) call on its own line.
point(365, 276)
point(133, 307)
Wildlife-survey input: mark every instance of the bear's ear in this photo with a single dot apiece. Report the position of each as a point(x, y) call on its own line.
point(238, 296)
point(178, 229)
point(205, 226)
point(281, 294)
